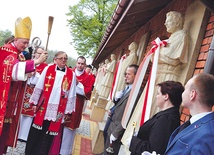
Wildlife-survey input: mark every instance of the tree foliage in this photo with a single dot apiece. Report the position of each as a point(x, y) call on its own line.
point(3, 35)
point(88, 22)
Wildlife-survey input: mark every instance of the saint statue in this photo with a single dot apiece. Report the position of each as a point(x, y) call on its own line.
point(106, 83)
point(99, 76)
point(130, 59)
point(105, 66)
point(174, 54)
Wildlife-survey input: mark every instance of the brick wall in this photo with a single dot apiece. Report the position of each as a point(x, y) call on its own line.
point(208, 36)
point(205, 46)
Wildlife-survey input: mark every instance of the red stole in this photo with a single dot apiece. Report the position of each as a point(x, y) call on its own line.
point(40, 68)
point(73, 121)
point(8, 59)
point(88, 82)
point(27, 108)
point(48, 86)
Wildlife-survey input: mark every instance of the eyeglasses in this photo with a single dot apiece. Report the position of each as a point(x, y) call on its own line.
point(62, 59)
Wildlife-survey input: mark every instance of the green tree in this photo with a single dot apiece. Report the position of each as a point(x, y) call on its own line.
point(3, 35)
point(88, 22)
point(51, 54)
point(71, 62)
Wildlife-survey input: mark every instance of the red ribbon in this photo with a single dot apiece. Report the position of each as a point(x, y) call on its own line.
point(116, 75)
point(152, 50)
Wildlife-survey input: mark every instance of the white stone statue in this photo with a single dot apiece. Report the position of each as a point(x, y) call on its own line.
point(98, 77)
point(130, 59)
point(175, 54)
point(106, 83)
point(102, 74)
point(94, 71)
point(105, 66)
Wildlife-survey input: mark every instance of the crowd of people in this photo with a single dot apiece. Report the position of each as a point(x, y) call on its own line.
point(42, 104)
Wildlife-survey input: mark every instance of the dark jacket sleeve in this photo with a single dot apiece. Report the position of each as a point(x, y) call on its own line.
point(158, 137)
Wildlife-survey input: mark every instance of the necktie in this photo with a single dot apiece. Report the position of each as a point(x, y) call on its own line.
point(125, 90)
point(186, 124)
point(63, 69)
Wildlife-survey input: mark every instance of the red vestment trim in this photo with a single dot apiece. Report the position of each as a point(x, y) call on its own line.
point(8, 59)
point(73, 121)
point(48, 86)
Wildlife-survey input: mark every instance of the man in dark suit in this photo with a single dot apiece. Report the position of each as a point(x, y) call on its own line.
point(115, 130)
point(198, 137)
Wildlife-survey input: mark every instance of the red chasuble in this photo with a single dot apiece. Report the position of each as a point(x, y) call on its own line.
point(11, 97)
point(7, 59)
point(73, 121)
point(11, 94)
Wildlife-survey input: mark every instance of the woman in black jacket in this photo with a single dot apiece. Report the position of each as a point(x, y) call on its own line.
point(154, 134)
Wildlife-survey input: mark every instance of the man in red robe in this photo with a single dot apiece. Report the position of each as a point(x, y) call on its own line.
point(88, 70)
point(72, 122)
point(14, 71)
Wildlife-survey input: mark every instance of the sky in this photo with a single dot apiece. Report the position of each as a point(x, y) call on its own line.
point(39, 11)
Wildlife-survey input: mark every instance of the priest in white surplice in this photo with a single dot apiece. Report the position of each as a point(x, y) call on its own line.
point(56, 89)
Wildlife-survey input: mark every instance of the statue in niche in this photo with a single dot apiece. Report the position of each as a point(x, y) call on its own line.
point(102, 74)
point(174, 54)
point(130, 59)
point(105, 67)
point(106, 83)
point(97, 80)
